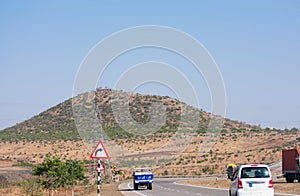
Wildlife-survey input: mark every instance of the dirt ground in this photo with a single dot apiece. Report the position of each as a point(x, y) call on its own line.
point(106, 190)
point(111, 189)
point(280, 186)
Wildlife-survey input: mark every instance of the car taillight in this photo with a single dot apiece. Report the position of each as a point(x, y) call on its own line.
point(270, 184)
point(240, 185)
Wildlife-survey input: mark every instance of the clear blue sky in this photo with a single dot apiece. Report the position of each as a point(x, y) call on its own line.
point(256, 45)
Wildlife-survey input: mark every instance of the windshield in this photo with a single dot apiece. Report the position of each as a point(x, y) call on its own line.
point(255, 172)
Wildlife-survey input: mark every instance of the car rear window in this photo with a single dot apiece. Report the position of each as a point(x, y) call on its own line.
point(255, 172)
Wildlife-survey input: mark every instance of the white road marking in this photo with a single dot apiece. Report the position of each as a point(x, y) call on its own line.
point(134, 190)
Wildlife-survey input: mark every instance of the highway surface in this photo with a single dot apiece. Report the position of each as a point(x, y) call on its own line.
point(170, 187)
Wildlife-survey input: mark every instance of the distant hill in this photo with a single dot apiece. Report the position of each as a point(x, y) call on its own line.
point(57, 123)
point(54, 132)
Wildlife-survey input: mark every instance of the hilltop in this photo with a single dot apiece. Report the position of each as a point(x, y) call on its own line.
point(57, 123)
point(54, 132)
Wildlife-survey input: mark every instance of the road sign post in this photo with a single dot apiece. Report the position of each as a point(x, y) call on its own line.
point(99, 177)
point(99, 153)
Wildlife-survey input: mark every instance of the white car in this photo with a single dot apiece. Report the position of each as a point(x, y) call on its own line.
point(254, 179)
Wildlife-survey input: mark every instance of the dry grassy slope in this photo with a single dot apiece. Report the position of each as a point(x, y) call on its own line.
point(57, 123)
point(53, 132)
point(239, 148)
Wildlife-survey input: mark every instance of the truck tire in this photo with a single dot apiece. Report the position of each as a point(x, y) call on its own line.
point(136, 186)
point(149, 186)
point(289, 180)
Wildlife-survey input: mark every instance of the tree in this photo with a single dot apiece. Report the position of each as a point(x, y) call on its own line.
point(56, 174)
point(75, 171)
point(48, 172)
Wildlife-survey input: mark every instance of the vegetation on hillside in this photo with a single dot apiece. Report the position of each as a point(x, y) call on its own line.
point(57, 123)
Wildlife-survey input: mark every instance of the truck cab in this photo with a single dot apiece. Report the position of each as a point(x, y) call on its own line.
point(142, 177)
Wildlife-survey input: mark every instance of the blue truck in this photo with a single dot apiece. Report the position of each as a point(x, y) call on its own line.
point(143, 177)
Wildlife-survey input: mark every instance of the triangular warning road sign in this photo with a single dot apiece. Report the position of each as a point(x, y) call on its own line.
point(101, 167)
point(99, 152)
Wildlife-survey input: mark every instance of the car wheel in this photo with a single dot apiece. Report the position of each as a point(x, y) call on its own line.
point(150, 186)
point(135, 186)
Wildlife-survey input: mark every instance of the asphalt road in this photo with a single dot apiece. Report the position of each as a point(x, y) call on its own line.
point(169, 187)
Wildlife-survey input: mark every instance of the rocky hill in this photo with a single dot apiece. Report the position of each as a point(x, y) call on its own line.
point(57, 123)
point(54, 132)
